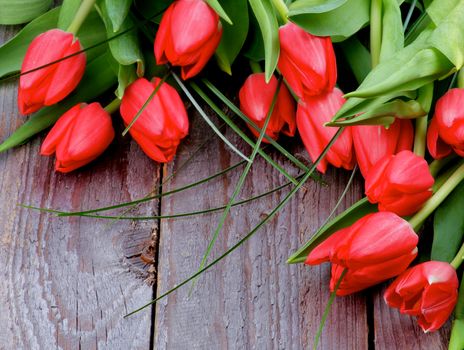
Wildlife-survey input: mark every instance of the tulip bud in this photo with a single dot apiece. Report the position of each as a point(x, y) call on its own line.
point(400, 183)
point(162, 124)
point(438, 148)
point(307, 62)
point(449, 115)
point(188, 35)
point(49, 85)
point(79, 136)
point(373, 142)
point(255, 101)
point(375, 248)
point(311, 115)
point(428, 291)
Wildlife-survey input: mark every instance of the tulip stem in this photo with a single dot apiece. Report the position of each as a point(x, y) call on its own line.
point(282, 9)
point(420, 138)
point(461, 79)
point(255, 67)
point(433, 203)
point(376, 31)
point(81, 15)
point(438, 164)
point(458, 259)
point(113, 106)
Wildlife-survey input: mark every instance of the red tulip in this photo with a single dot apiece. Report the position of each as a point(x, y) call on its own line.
point(438, 148)
point(49, 85)
point(311, 115)
point(373, 142)
point(373, 249)
point(255, 101)
point(449, 115)
point(188, 35)
point(400, 183)
point(79, 136)
point(428, 291)
point(162, 124)
point(306, 61)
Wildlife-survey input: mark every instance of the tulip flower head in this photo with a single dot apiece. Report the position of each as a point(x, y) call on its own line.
point(311, 115)
point(162, 124)
point(307, 62)
point(428, 291)
point(49, 85)
point(375, 248)
point(79, 136)
point(373, 142)
point(449, 115)
point(255, 101)
point(399, 183)
point(188, 35)
point(438, 148)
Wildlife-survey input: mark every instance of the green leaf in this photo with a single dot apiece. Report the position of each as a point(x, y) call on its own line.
point(448, 226)
point(13, 51)
point(300, 7)
point(126, 75)
point(340, 23)
point(358, 58)
point(392, 30)
point(117, 12)
point(267, 21)
point(99, 77)
point(457, 335)
point(216, 6)
point(233, 36)
point(439, 10)
point(68, 11)
point(254, 45)
point(125, 48)
point(152, 9)
point(345, 219)
point(22, 11)
point(459, 310)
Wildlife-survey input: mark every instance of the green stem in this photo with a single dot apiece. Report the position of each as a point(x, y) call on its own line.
point(438, 164)
point(376, 31)
point(81, 15)
point(458, 259)
point(113, 106)
point(282, 9)
point(461, 79)
point(255, 67)
point(420, 138)
point(433, 203)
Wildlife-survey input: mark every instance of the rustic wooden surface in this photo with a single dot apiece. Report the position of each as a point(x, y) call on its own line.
point(67, 283)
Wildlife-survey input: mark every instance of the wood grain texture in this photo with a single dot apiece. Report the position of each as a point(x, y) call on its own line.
point(252, 299)
point(66, 282)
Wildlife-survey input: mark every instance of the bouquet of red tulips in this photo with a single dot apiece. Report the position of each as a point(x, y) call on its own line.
point(402, 124)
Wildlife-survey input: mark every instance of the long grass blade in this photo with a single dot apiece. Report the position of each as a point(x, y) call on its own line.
point(238, 131)
point(287, 198)
point(206, 118)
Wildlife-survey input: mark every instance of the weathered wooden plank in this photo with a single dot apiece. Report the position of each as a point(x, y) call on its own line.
point(396, 331)
point(253, 299)
point(66, 282)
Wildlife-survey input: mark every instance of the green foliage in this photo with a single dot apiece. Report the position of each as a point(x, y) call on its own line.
point(313, 6)
point(67, 12)
point(89, 88)
point(233, 36)
point(22, 11)
point(457, 332)
point(267, 21)
point(219, 10)
point(392, 30)
point(117, 12)
point(340, 23)
point(448, 226)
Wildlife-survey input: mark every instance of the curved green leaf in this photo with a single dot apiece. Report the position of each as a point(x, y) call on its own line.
point(340, 23)
point(392, 30)
point(99, 77)
point(265, 15)
point(22, 11)
point(347, 218)
point(233, 36)
point(448, 226)
point(68, 11)
point(117, 12)
point(301, 7)
point(216, 6)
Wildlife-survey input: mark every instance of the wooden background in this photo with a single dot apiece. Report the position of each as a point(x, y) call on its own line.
point(66, 283)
